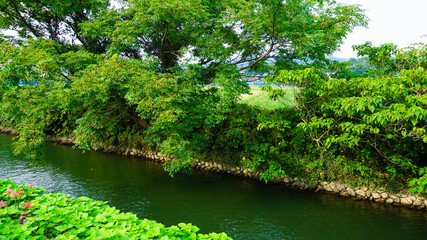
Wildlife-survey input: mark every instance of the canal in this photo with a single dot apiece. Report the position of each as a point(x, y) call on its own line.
point(243, 208)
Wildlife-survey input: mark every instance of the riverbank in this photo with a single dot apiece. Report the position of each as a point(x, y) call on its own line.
point(371, 193)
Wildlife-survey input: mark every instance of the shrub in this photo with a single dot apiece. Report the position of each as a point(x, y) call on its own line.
point(375, 124)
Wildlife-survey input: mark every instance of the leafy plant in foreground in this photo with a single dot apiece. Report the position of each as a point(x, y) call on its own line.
point(58, 216)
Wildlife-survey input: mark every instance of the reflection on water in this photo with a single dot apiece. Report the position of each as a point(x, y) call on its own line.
point(243, 208)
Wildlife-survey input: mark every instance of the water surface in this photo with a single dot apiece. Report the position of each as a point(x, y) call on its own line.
point(243, 208)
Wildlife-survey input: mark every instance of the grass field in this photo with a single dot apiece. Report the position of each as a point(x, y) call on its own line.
point(261, 99)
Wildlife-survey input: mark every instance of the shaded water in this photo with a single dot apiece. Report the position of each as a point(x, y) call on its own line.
point(244, 209)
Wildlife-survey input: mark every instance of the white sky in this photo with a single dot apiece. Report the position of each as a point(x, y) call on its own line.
point(391, 21)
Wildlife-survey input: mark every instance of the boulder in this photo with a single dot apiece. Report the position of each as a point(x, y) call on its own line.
point(418, 203)
point(340, 187)
point(384, 195)
point(395, 198)
point(344, 193)
point(351, 192)
point(328, 188)
point(406, 201)
point(360, 193)
point(376, 195)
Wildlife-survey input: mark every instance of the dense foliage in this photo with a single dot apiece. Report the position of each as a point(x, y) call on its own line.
point(373, 126)
point(168, 76)
point(146, 73)
point(359, 65)
point(25, 212)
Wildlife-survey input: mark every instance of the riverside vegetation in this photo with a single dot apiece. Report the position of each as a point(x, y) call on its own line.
point(136, 76)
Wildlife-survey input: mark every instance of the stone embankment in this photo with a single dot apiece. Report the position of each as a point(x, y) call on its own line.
point(403, 198)
point(9, 130)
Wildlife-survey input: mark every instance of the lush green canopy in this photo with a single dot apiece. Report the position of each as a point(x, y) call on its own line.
point(58, 20)
point(136, 75)
point(378, 122)
point(167, 76)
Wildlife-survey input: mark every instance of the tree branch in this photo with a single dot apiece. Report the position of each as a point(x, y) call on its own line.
point(24, 21)
point(260, 58)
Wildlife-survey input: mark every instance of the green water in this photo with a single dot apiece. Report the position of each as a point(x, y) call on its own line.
point(244, 209)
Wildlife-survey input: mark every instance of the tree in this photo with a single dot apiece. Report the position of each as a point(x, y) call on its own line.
point(34, 80)
point(359, 65)
point(152, 61)
point(235, 33)
point(378, 122)
point(388, 59)
point(57, 20)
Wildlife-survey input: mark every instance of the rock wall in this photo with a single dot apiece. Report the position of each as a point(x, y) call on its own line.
point(9, 130)
point(403, 198)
